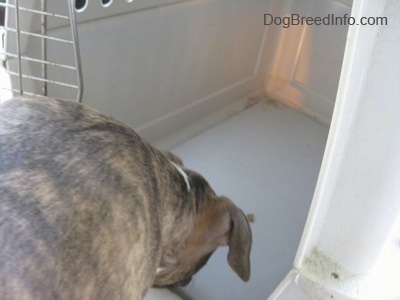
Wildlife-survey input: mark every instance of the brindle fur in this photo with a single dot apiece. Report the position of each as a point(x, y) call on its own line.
point(89, 210)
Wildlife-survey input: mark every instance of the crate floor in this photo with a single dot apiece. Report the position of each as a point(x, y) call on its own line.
point(267, 160)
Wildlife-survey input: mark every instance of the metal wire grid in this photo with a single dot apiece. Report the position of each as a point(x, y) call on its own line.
point(20, 74)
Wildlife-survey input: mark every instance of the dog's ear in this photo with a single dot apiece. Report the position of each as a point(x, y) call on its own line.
point(224, 224)
point(239, 241)
point(234, 230)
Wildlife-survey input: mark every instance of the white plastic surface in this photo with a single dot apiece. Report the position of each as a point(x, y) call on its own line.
point(160, 68)
point(164, 294)
point(161, 65)
point(351, 241)
point(305, 60)
point(266, 159)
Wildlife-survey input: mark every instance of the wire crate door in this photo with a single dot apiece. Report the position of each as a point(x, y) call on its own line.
point(40, 49)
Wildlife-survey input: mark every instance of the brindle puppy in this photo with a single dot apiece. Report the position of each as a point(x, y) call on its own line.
point(89, 210)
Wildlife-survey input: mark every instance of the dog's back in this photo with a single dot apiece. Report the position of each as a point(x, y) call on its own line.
point(69, 204)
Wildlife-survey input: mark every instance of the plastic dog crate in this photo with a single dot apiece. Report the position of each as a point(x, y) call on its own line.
point(246, 104)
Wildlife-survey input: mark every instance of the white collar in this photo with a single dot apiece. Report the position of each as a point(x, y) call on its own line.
point(185, 176)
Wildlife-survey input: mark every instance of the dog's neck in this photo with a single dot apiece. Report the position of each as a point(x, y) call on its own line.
point(184, 175)
point(176, 217)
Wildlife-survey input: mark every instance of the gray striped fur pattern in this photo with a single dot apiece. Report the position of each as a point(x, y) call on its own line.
point(90, 210)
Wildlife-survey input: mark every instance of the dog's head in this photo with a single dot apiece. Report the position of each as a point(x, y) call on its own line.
point(218, 222)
